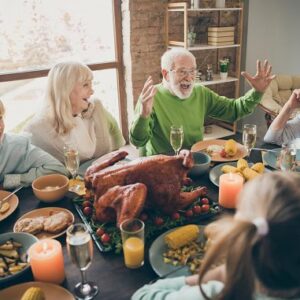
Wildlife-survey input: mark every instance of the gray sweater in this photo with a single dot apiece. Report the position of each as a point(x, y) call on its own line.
point(21, 162)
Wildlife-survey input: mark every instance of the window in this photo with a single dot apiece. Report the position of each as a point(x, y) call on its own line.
point(47, 32)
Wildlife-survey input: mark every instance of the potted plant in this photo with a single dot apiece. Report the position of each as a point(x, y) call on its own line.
point(191, 37)
point(224, 66)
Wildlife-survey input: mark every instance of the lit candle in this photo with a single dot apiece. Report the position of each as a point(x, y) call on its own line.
point(46, 260)
point(229, 187)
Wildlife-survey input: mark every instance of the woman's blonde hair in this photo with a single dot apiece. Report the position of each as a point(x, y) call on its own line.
point(62, 78)
point(273, 259)
point(2, 109)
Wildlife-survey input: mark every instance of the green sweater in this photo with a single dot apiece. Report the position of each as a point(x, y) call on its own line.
point(152, 133)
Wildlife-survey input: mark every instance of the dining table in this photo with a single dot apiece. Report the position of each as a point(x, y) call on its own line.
point(107, 270)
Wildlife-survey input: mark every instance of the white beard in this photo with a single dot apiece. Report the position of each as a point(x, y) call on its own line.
point(177, 91)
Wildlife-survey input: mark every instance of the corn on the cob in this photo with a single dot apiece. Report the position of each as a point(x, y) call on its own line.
point(33, 293)
point(249, 174)
point(258, 167)
point(242, 164)
point(229, 169)
point(182, 236)
point(230, 147)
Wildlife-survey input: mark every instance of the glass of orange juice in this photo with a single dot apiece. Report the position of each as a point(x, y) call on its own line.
point(132, 232)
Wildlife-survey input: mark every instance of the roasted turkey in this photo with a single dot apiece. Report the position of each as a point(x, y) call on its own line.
point(122, 191)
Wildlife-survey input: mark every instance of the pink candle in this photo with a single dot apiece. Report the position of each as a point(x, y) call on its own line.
point(46, 260)
point(229, 187)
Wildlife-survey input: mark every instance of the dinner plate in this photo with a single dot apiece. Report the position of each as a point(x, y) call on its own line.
point(156, 259)
point(270, 158)
point(13, 204)
point(215, 172)
point(26, 240)
point(52, 291)
point(45, 212)
point(202, 146)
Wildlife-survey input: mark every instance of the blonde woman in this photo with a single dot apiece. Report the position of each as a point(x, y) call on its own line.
point(71, 116)
point(21, 162)
point(260, 244)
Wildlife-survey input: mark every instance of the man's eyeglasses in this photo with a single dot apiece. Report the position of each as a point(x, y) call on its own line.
point(185, 72)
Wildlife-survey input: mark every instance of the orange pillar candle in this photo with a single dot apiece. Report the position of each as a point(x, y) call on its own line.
point(46, 260)
point(229, 187)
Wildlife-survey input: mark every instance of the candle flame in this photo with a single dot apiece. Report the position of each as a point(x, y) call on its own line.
point(45, 247)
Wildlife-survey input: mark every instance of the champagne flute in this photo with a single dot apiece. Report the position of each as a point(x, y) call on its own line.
point(176, 138)
point(71, 158)
point(249, 137)
point(287, 159)
point(80, 249)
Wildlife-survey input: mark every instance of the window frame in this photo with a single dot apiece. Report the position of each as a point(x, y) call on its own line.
point(117, 64)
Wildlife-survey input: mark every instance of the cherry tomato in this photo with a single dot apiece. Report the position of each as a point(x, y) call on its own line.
point(158, 221)
point(87, 210)
point(175, 216)
point(197, 209)
point(223, 153)
point(105, 238)
point(205, 207)
point(100, 231)
point(144, 217)
point(86, 203)
point(189, 213)
point(204, 201)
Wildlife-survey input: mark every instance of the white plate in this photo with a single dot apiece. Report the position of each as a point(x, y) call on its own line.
point(215, 172)
point(45, 212)
point(156, 259)
point(51, 291)
point(202, 146)
point(13, 204)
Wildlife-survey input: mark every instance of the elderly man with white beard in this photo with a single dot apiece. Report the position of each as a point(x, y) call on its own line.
point(179, 101)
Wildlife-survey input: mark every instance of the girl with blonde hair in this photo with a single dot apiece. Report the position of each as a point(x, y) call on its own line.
point(71, 116)
point(21, 162)
point(260, 244)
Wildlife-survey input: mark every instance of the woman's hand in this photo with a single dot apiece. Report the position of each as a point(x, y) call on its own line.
point(294, 100)
point(192, 280)
point(147, 97)
point(262, 78)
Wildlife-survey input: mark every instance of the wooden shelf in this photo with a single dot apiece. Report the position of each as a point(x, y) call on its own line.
point(220, 128)
point(217, 80)
point(200, 46)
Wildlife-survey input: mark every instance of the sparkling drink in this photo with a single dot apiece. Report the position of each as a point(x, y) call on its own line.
point(249, 139)
point(71, 161)
point(176, 138)
point(287, 158)
point(80, 250)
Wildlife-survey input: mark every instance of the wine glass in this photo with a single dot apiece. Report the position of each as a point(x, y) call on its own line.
point(287, 159)
point(249, 137)
point(71, 158)
point(80, 249)
point(176, 138)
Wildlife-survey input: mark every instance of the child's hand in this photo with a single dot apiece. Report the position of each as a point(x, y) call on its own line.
point(192, 280)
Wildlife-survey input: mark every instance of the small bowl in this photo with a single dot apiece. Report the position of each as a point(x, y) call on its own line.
point(50, 188)
point(202, 163)
point(26, 239)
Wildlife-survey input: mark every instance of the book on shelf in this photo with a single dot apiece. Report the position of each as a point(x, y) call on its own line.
point(220, 33)
point(220, 43)
point(219, 29)
point(221, 39)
